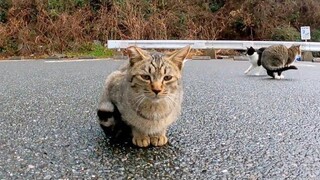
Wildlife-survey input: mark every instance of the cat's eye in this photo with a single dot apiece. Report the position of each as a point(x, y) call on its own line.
point(167, 78)
point(145, 77)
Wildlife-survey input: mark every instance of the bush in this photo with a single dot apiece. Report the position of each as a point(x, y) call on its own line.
point(215, 5)
point(64, 25)
point(285, 34)
point(315, 35)
point(66, 5)
point(4, 7)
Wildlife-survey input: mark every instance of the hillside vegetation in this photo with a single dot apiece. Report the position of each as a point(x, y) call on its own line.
point(39, 27)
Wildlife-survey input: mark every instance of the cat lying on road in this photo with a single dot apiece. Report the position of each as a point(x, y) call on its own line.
point(146, 96)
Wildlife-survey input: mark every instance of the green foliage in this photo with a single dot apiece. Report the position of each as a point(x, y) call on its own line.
point(239, 24)
point(3, 16)
point(285, 33)
point(90, 49)
point(65, 5)
point(4, 7)
point(63, 25)
point(215, 5)
point(100, 51)
point(238, 29)
point(11, 45)
point(294, 17)
point(55, 5)
point(315, 35)
point(97, 4)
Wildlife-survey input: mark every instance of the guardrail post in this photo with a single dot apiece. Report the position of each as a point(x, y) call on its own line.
point(307, 56)
point(119, 54)
point(212, 53)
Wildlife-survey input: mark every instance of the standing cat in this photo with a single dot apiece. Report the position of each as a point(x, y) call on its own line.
point(278, 58)
point(146, 95)
point(254, 59)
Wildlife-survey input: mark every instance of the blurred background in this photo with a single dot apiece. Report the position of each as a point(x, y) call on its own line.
point(40, 28)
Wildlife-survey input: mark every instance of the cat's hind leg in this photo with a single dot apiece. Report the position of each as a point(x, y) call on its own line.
point(249, 69)
point(270, 73)
point(280, 75)
point(259, 70)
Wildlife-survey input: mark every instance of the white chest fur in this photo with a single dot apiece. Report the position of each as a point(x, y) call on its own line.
point(254, 58)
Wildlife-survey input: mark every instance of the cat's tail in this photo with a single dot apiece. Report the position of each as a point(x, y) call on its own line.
point(112, 124)
point(282, 69)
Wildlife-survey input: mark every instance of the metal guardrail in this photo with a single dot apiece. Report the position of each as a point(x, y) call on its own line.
point(207, 44)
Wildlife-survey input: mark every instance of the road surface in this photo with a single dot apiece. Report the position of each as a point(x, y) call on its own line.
point(233, 126)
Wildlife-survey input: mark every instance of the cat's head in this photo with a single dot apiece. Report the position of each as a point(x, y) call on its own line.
point(155, 75)
point(296, 49)
point(250, 51)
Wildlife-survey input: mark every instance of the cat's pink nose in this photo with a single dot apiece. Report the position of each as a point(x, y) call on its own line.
point(156, 91)
point(156, 87)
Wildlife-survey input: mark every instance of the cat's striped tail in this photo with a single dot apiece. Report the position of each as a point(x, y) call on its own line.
point(282, 69)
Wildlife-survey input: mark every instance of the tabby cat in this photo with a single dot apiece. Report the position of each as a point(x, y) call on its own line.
point(254, 59)
point(278, 58)
point(145, 95)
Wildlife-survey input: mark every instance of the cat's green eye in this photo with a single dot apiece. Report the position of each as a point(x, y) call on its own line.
point(145, 77)
point(167, 78)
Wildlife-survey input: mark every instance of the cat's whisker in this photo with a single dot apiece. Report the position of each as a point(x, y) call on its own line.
point(173, 103)
point(140, 102)
point(138, 99)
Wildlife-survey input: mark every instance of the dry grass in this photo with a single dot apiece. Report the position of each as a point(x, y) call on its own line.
point(32, 27)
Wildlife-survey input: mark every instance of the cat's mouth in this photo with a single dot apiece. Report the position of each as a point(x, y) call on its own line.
point(156, 97)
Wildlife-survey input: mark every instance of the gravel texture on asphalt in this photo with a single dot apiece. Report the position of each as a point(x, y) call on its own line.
point(233, 126)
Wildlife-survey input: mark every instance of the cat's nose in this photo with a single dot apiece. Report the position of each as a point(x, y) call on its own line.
point(156, 87)
point(156, 91)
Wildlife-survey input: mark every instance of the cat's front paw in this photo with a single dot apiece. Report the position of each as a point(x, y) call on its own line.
point(141, 141)
point(159, 140)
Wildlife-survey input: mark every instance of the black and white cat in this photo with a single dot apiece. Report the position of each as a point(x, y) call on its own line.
point(255, 60)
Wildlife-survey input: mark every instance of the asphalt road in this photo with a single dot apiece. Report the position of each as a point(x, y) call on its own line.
point(233, 126)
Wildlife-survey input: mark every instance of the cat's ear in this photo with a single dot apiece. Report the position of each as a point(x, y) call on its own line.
point(179, 56)
point(136, 54)
point(299, 48)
